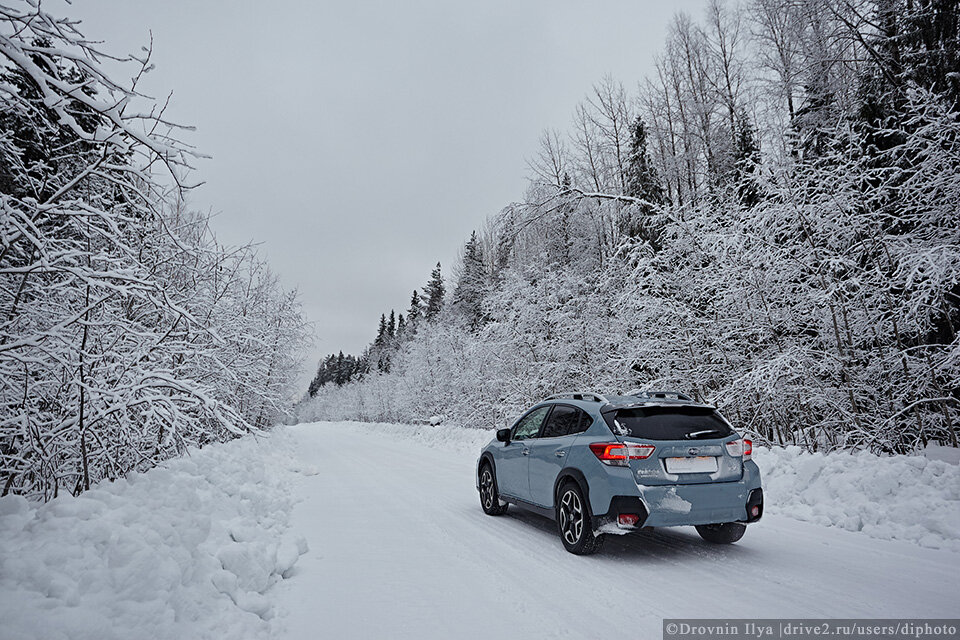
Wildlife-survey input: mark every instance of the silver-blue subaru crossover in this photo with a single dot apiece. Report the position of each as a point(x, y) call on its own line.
point(600, 465)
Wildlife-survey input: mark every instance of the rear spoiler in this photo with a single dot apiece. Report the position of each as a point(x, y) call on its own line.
point(610, 408)
point(659, 395)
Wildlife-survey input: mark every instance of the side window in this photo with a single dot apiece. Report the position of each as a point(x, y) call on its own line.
point(584, 424)
point(563, 421)
point(529, 425)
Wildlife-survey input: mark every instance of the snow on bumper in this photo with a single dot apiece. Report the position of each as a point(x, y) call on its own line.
point(681, 504)
point(689, 504)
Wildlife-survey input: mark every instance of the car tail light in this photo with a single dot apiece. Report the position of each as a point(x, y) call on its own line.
point(629, 519)
point(617, 453)
point(742, 447)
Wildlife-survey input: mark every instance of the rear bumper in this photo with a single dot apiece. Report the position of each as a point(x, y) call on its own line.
point(688, 504)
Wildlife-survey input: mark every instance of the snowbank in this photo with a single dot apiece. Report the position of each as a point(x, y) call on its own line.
point(914, 498)
point(187, 550)
point(898, 497)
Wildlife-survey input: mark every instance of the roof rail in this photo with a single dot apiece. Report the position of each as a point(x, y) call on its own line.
point(640, 393)
point(579, 395)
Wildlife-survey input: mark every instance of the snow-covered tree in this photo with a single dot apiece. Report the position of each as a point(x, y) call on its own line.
point(415, 311)
point(472, 284)
point(127, 332)
point(433, 294)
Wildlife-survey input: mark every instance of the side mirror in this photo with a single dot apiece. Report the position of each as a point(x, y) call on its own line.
point(503, 435)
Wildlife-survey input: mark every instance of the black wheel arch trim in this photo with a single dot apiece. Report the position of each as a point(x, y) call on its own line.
point(485, 457)
point(574, 474)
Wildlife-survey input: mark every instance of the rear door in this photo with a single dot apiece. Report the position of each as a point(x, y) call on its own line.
point(513, 461)
point(548, 452)
point(689, 444)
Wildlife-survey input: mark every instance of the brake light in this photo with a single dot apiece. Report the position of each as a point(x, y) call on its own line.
point(742, 447)
point(616, 454)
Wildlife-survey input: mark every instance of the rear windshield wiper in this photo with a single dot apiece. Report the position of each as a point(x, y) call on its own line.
point(693, 435)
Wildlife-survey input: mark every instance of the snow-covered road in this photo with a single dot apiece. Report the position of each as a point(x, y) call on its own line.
point(399, 548)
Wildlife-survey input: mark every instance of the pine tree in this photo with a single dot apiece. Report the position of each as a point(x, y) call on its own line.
point(401, 325)
point(468, 295)
point(392, 325)
point(434, 292)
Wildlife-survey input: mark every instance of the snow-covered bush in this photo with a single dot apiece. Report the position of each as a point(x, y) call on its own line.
point(127, 333)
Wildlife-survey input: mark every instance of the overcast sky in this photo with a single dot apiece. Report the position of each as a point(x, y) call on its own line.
point(361, 142)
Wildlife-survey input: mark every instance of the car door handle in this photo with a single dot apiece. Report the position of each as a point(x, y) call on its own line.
point(560, 454)
point(525, 452)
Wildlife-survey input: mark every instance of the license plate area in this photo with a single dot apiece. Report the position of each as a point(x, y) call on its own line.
point(697, 464)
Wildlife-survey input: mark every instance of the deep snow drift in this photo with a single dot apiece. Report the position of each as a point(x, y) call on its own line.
point(186, 550)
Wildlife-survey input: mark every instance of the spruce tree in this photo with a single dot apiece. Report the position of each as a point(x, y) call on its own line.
point(382, 331)
point(315, 385)
point(468, 295)
point(415, 312)
point(746, 160)
point(392, 325)
point(340, 376)
point(434, 292)
point(641, 180)
point(329, 370)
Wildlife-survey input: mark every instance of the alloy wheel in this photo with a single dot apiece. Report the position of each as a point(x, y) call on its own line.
point(571, 517)
point(486, 488)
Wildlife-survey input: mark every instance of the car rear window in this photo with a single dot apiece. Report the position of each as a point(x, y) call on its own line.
point(668, 423)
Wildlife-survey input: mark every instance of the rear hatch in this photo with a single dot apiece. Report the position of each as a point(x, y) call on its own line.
point(689, 443)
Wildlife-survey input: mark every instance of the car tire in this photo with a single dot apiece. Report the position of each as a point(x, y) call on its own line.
point(726, 533)
point(574, 523)
point(489, 496)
